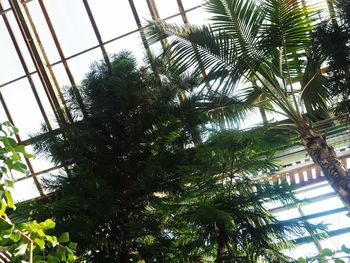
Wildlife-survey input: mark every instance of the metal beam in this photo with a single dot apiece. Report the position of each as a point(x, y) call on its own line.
point(97, 32)
point(63, 59)
point(39, 57)
point(25, 67)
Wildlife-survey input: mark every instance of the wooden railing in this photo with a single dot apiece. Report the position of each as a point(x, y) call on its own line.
point(306, 172)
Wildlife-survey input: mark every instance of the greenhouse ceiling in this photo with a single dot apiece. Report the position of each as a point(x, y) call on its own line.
point(48, 45)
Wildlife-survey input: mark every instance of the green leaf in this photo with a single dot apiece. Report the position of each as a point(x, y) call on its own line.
point(71, 258)
point(41, 233)
point(64, 238)
point(48, 224)
point(9, 199)
point(302, 260)
point(40, 243)
point(2, 208)
point(52, 240)
point(61, 253)
point(338, 260)
point(52, 259)
point(72, 245)
point(326, 252)
point(15, 236)
point(9, 183)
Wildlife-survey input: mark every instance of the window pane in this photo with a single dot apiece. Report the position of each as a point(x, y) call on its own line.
point(23, 107)
point(113, 18)
point(10, 65)
point(25, 190)
point(72, 25)
point(167, 8)
point(81, 65)
point(130, 43)
point(43, 31)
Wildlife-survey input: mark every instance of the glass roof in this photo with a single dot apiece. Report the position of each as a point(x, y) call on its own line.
point(47, 45)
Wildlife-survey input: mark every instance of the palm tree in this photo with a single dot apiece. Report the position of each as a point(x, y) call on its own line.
point(331, 39)
point(256, 52)
point(220, 213)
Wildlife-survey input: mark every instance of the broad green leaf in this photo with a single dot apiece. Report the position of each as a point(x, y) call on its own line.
point(38, 259)
point(40, 242)
point(2, 208)
point(41, 233)
point(9, 183)
point(52, 259)
point(302, 260)
point(52, 240)
point(61, 253)
point(64, 238)
point(72, 245)
point(71, 258)
point(338, 260)
point(326, 252)
point(48, 224)
point(9, 199)
point(34, 226)
point(15, 236)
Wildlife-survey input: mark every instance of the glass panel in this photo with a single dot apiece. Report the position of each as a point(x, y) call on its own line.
point(47, 177)
point(143, 11)
point(63, 80)
point(198, 16)
point(321, 206)
point(43, 31)
point(10, 65)
point(40, 162)
point(5, 4)
point(192, 3)
point(113, 18)
point(335, 221)
point(167, 8)
point(176, 20)
point(25, 190)
point(45, 101)
point(72, 25)
point(130, 43)
point(81, 65)
point(23, 107)
point(3, 116)
point(21, 43)
point(302, 251)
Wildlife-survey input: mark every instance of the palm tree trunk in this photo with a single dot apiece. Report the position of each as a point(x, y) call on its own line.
point(324, 156)
point(222, 242)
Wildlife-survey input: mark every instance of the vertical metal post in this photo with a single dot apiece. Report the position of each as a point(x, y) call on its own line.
point(182, 11)
point(155, 16)
point(63, 58)
point(25, 67)
point(40, 60)
point(142, 33)
point(97, 32)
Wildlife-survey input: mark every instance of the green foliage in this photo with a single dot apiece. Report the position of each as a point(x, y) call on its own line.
point(145, 183)
point(328, 255)
point(331, 43)
point(249, 43)
point(220, 212)
point(127, 149)
point(31, 241)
